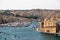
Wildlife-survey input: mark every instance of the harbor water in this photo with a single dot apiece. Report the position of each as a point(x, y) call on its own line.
point(24, 33)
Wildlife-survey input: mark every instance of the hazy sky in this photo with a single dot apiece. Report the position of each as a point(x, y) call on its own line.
point(29, 4)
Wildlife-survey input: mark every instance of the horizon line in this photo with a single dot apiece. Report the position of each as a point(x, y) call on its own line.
point(31, 9)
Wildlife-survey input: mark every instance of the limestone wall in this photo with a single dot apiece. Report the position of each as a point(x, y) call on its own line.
point(50, 30)
point(49, 22)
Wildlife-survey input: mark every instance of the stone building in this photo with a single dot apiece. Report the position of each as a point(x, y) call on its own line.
point(50, 25)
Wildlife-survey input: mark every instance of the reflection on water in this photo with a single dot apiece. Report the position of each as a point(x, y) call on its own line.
point(24, 33)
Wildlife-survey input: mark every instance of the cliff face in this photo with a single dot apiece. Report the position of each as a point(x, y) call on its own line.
point(7, 16)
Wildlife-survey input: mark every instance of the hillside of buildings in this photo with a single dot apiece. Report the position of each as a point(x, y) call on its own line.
point(24, 17)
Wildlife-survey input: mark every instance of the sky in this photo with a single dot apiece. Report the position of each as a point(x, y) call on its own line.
point(29, 4)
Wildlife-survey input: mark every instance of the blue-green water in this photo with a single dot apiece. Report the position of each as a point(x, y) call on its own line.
point(24, 33)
